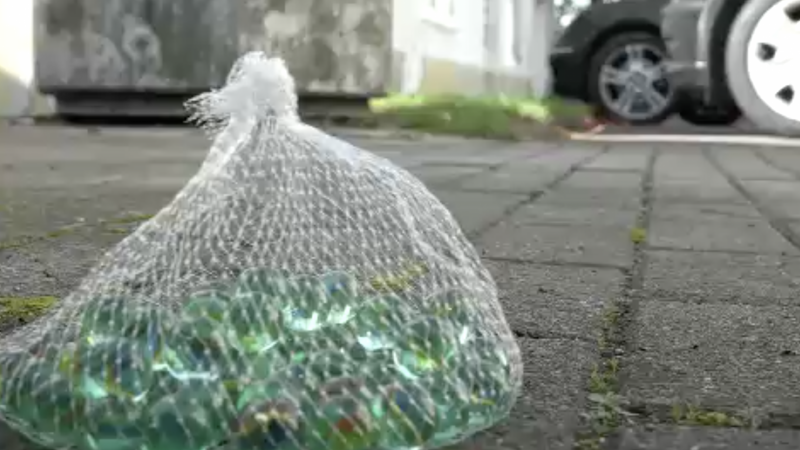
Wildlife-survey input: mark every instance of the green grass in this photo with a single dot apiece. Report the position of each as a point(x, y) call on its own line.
point(481, 116)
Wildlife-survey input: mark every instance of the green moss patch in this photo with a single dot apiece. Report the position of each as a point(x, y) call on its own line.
point(495, 117)
point(24, 309)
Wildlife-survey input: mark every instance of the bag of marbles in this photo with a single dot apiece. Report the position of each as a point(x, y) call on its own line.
point(297, 293)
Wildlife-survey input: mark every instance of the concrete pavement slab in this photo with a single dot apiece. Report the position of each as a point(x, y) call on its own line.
point(555, 301)
point(722, 278)
point(670, 437)
point(714, 189)
point(783, 158)
point(773, 190)
point(439, 174)
point(684, 162)
point(557, 209)
point(738, 359)
point(744, 164)
point(531, 174)
point(475, 210)
point(631, 158)
point(715, 232)
point(593, 245)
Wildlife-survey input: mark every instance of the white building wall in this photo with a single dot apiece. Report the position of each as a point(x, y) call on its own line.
point(18, 95)
point(419, 32)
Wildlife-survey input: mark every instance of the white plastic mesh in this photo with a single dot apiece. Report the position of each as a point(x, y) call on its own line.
point(297, 293)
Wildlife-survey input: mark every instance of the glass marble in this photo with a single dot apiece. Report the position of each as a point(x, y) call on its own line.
point(271, 422)
point(198, 415)
point(343, 422)
point(104, 317)
point(427, 345)
point(113, 367)
point(210, 302)
point(255, 320)
point(407, 416)
point(112, 424)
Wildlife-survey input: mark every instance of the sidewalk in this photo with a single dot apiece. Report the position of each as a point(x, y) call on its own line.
point(654, 288)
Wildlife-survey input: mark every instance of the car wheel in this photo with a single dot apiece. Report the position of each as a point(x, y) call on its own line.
point(762, 64)
point(627, 80)
point(699, 114)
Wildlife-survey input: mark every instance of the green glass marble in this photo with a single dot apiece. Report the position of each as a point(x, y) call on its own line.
point(452, 398)
point(426, 346)
point(113, 367)
point(255, 320)
point(487, 352)
point(489, 391)
point(104, 317)
point(11, 366)
point(381, 320)
point(201, 348)
point(307, 306)
point(42, 399)
point(147, 325)
point(211, 302)
point(458, 308)
point(113, 424)
point(343, 422)
point(342, 297)
point(200, 414)
point(270, 422)
point(301, 346)
point(407, 416)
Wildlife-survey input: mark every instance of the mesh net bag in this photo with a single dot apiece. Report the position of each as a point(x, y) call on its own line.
point(297, 293)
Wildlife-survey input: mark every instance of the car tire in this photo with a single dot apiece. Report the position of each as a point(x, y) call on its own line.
point(739, 81)
point(699, 114)
point(596, 65)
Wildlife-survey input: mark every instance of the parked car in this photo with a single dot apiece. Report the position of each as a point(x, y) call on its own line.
point(734, 56)
point(611, 56)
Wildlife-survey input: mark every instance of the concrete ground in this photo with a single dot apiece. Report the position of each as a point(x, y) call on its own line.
point(654, 288)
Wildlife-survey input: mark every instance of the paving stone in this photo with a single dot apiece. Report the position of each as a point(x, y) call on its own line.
point(547, 414)
point(739, 359)
point(695, 191)
point(689, 164)
point(667, 437)
point(714, 231)
point(441, 174)
point(785, 158)
point(474, 210)
point(695, 277)
point(553, 301)
point(531, 174)
point(743, 163)
point(721, 211)
point(557, 208)
point(622, 159)
point(623, 182)
point(773, 191)
point(573, 244)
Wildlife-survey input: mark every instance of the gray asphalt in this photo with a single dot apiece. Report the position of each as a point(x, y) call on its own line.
point(701, 320)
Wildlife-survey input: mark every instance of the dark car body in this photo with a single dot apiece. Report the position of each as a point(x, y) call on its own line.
point(695, 32)
point(573, 51)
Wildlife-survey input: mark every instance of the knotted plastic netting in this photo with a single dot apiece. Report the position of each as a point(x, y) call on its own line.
point(297, 293)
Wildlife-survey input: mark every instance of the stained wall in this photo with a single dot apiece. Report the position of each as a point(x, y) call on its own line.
point(340, 46)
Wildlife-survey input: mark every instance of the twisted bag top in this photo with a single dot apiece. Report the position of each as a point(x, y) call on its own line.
point(297, 293)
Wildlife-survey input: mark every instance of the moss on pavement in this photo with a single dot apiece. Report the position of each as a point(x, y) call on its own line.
point(496, 117)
